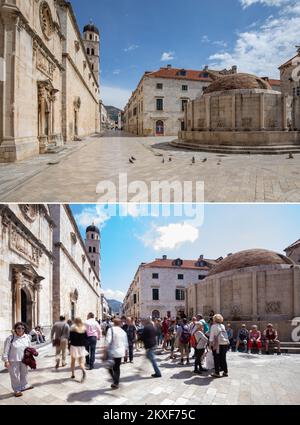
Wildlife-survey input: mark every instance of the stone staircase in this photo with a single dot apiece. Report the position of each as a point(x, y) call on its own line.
point(246, 150)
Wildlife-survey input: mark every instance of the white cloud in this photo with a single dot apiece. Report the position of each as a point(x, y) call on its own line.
point(170, 237)
point(205, 39)
point(262, 50)
point(93, 214)
point(115, 96)
point(111, 294)
point(277, 3)
point(116, 71)
point(131, 48)
point(167, 56)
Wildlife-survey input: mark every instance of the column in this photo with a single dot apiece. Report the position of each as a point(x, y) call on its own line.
point(262, 111)
point(17, 283)
point(233, 119)
point(7, 128)
point(193, 115)
point(207, 110)
point(217, 307)
point(254, 296)
point(284, 113)
point(296, 291)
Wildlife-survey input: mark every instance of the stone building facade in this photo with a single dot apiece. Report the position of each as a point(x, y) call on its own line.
point(26, 266)
point(44, 61)
point(254, 286)
point(158, 288)
point(76, 283)
point(290, 83)
point(293, 251)
point(156, 107)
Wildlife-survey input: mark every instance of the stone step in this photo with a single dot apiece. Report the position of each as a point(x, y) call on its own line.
point(55, 149)
point(246, 150)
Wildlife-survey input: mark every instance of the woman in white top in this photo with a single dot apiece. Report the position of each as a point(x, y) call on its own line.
point(116, 348)
point(219, 342)
point(13, 355)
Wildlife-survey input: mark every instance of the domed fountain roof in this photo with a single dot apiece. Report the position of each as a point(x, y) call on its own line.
point(237, 81)
point(250, 258)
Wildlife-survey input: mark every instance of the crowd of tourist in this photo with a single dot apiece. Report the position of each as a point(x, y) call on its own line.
point(205, 343)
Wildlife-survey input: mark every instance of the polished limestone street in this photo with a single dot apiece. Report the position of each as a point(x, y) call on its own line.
point(253, 379)
point(72, 175)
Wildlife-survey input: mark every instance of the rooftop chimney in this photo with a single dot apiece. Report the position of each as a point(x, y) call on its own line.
point(230, 254)
point(201, 257)
point(234, 69)
point(165, 257)
point(169, 66)
point(206, 68)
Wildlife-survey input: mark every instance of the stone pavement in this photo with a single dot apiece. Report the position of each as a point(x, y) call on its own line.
point(252, 380)
point(74, 177)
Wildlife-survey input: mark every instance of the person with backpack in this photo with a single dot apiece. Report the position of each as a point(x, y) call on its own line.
point(183, 337)
point(219, 343)
point(13, 357)
point(200, 319)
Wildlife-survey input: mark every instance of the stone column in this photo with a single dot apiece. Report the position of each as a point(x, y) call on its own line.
point(284, 113)
point(7, 129)
point(296, 291)
point(193, 115)
point(217, 296)
point(233, 119)
point(207, 111)
point(254, 296)
point(262, 111)
point(17, 283)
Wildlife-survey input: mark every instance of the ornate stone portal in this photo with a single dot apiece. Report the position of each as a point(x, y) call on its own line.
point(46, 119)
point(26, 287)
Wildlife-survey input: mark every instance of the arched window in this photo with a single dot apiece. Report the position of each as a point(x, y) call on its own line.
point(90, 249)
point(92, 66)
point(93, 52)
point(155, 314)
point(91, 37)
point(94, 249)
point(92, 235)
point(160, 128)
point(88, 50)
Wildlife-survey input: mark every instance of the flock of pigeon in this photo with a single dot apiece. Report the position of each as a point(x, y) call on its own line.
point(132, 159)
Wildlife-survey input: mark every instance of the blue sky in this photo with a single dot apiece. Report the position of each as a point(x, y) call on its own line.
point(256, 35)
point(128, 241)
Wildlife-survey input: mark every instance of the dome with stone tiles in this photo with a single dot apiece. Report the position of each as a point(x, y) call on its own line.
point(237, 82)
point(250, 258)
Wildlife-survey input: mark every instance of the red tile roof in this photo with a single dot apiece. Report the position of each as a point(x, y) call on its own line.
point(275, 82)
point(175, 74)
point(186, 264)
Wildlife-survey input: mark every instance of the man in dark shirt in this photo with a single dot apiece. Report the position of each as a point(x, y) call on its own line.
point(130, 329)
point(149, 340)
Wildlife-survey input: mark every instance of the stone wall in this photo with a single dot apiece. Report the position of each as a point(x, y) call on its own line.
point(75, 280)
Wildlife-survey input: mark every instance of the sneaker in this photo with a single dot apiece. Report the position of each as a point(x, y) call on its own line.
point(28, 388)
point(114, 386)
point(203, 369)
point(279, 353)
point(181, 362)
point(73, 377)
point(225, 375)
point(64, 365)
point(18, 394)
point(57, 364)
point(156, 376)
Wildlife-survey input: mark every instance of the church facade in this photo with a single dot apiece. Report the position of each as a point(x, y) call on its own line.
point(49, 84)
point(46, 268)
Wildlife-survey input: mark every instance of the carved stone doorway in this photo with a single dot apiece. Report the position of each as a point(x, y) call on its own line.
point(26, 289)
point(46, 119)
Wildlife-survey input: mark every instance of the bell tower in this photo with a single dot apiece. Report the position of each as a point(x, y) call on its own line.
point(91, 41)
point(93, 245)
